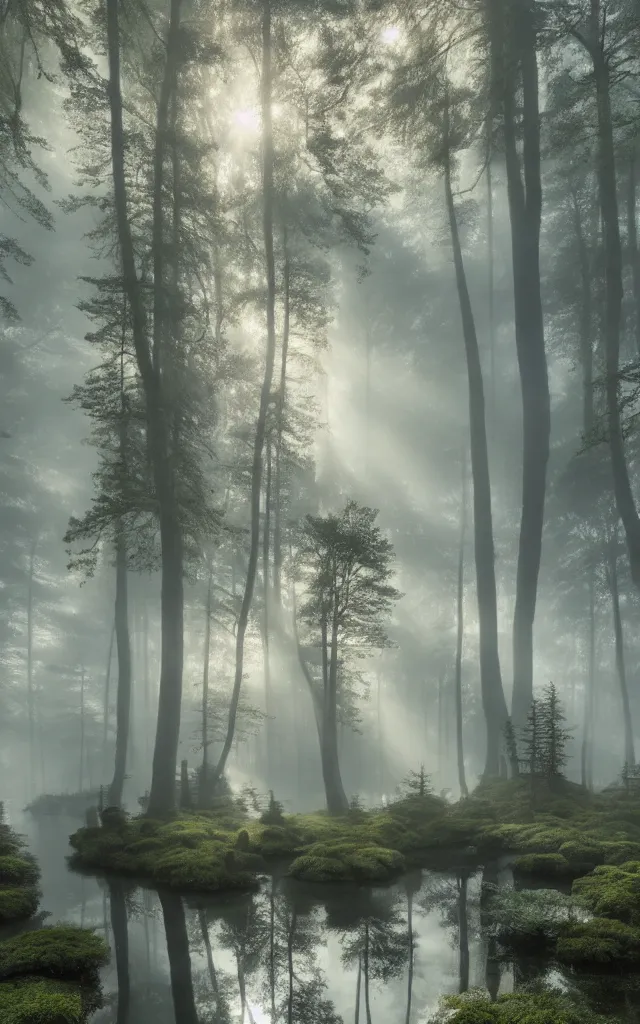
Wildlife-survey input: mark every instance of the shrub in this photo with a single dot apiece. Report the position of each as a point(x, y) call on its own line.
point(347, 862)
point(599, 942)
point(18, 871)
point(60, 952)
point(524, 1007)
point(17, 904)
point(544, 865)
point(611, 892)
point(43, 1002)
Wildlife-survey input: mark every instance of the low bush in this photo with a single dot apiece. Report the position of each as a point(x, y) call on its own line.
point(611, 891)
point(522, 1007)
point(599, 942)
point(60, 952)
point(347, 862)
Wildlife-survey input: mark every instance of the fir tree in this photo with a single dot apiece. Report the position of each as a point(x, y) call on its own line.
point(553, 735)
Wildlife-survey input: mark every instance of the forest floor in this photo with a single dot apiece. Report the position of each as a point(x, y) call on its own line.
point(47, 975)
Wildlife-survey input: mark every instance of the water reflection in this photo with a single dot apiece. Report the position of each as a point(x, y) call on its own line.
point(295, 954)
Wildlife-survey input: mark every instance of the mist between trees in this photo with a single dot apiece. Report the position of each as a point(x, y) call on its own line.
point(345, 299)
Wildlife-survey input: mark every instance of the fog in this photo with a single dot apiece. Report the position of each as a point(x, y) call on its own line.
point(334, 237)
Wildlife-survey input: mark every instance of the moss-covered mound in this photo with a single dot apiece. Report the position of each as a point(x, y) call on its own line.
point(19, 874)
point(37, 1001)
point(599, 942)
point(50, 976)
point(59, 952)
point(540, 1007)
point(612, 891)
point(347, 862)
point(544, 865)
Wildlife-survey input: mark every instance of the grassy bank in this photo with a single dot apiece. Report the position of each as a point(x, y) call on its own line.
point(563, 833)
point(50, 976)
point(19, 876)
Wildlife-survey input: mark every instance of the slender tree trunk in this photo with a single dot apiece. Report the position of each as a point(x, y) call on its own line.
point(607, 188)
point(175, 927)
point(586, 323)
point(123, 707)
point(410, 939)
point(107, 696)
point(358, 989)
point(463, 929)
point(206, 938)
point(367, 402)
point(266, 625)
point(261, 426)
point(290, 940)
point(30, 690)
point(493, 701)
point(81, 771)
point(337, 802)
point(612, 579)
point(279, 454)
point(205, 691)
point(146, 681)
point(462, 781)
point(491, 283)
point(519, 58)
point(632, 245)
point(586, 753)
point(120, 927)
point(365, 971)
point(163, 789)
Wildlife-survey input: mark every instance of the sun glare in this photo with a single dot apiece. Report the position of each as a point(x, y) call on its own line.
point(248, 119)
point(390, 34)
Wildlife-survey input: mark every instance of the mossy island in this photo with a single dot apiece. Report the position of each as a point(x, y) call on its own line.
point(48, 975)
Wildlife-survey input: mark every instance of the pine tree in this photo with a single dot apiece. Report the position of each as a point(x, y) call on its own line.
point(553, 736)
point(531, 738)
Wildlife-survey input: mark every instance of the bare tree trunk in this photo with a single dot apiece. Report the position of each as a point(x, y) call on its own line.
point(107, 695)
point(365, 971)
point(337, 802)
point(266, 625)
point(261, 426)
point(120, 927)
point(279, 455)
point(175, 927)
point(206, 938)
point(493, 701)
point(632, 244)
point(463, 931)
point(123, 706)
point(586, 754)
point(462, 781)
point(162, 796)
point(410, 939)
point(30, 690)
point(205, 691)
point(358, 989)
point(290, 938)
point(81, 770)
point(612, 580)
point(518, 60)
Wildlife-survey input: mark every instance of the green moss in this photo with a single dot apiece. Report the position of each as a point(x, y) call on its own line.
point(621, 851)
point(599, 942)
point(611, 892)
point(544, 865)
point(38, 1001)
point(60, 952)
point(17, 904)
point(535, 1007)
point(18, 871)
point(347, 862)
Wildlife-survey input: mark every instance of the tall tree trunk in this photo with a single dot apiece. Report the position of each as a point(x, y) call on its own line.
point(81, 769)
point(463, 932)
point(31, 704)
point(524, 188)
point(462, 781)
point(163, 789)
point(175, 927)
point(337, 802)
point(365, 972)
point(607, 189)
point(206, 938)
point(358, 989)
point(279, 454)
point(266, 624)
point(410, 939)
point(265, 394)
point(632, 245)
point(107, 695)
point(120, 927)
point(586, 323)
point(491, 282)
point(493, 701)
point(204, 781)
point(586, 752)
point(290, 939)
point(123, 705)
point(612, 580)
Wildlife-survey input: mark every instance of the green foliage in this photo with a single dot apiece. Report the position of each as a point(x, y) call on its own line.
point(18, 871)
point(612, 892)
point(347, 862)
point(273, 815)
point(541, 1006)
point(43, 1002)
point(536, 916)
point(17, 904)
point(60, 952)
point(544, 738)
point(544, 865)
point(599, 942)
point(417, 784)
